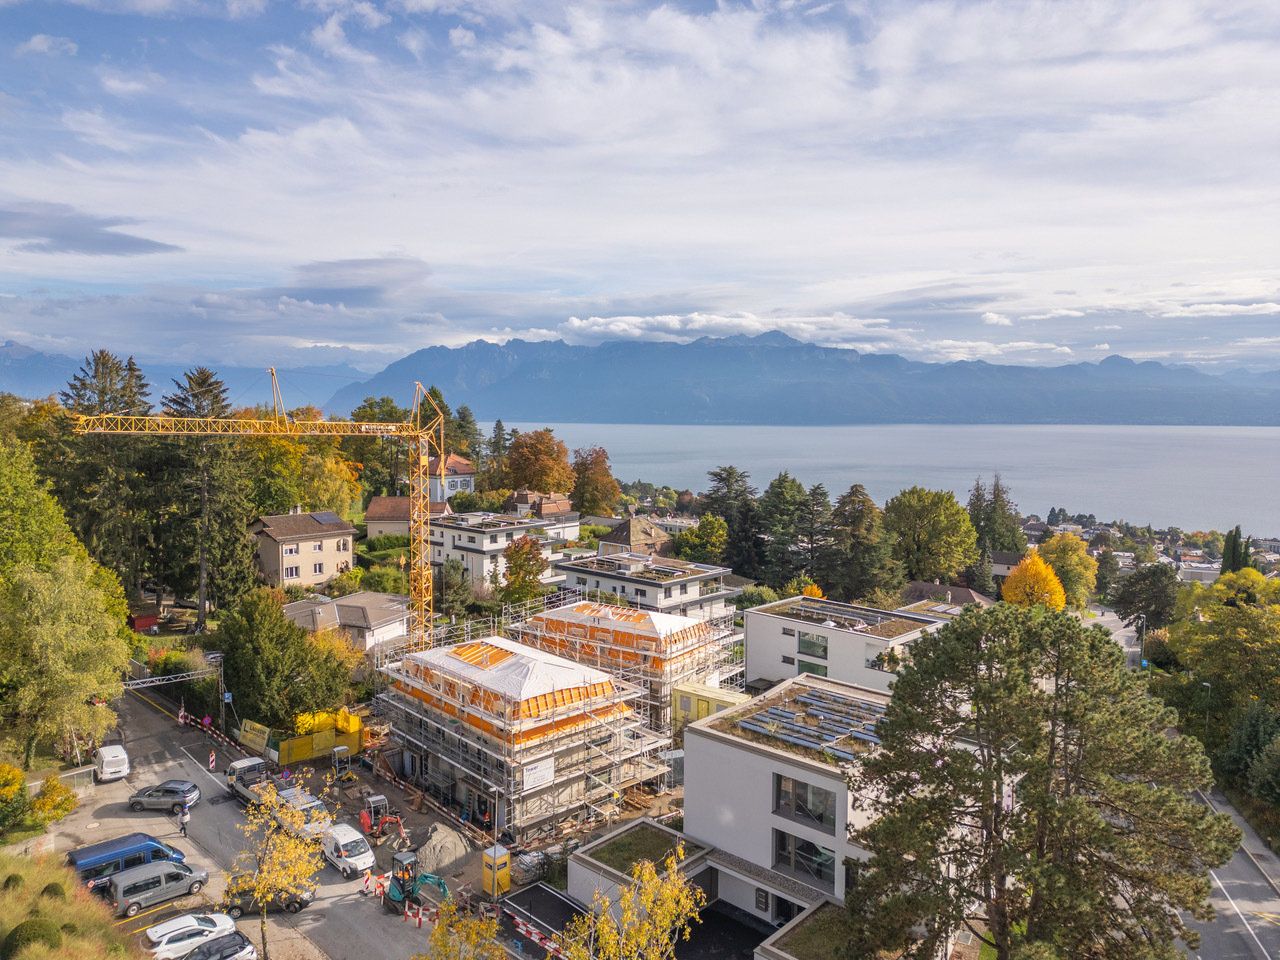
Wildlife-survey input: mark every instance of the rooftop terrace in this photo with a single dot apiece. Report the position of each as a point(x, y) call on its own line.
point(486, 521)
point(933, 608)
point(643, 567)
point(824, 720)
point(885, 624)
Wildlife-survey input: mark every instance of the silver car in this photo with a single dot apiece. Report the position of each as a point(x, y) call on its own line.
point(170, 795)
point(152, 883)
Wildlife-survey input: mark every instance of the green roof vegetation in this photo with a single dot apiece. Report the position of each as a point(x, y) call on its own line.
point(820, 936)
point(641, 842)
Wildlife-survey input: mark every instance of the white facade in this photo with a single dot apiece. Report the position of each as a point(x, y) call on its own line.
point(770, 810)
point(842, 641)
point(654, 583)
point(477, 541)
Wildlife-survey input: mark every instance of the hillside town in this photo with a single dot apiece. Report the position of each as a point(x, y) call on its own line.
point(371, 705)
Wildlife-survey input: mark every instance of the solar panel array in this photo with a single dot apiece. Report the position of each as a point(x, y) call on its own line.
point(820, 720)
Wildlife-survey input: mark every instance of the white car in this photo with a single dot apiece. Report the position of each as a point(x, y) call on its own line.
point(176, 938)
point(347, 850)
point(110, 762)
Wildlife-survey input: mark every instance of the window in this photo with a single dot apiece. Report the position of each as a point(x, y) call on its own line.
point(817, 669)
point(510, 537)
point(453, 484)
point(290, 550)
point(684, 704)
point(762, 900)
point(789, 661)
point(641, 593)
point(812, 644)
point(581, 581)
point(174, 877)
point(291, 573)
point(471, 539)
point(684, 588)
point(493, 538)
point(317, 546)
point(317, 568)
point(788, 632)
point(344, 546)
point(142, 886)
point(134, 860)
point(667, 593)
point(804, 859)
point(803, 802)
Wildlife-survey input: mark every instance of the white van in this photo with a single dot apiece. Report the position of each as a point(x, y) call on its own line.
point(110, 762)
point(347, 850)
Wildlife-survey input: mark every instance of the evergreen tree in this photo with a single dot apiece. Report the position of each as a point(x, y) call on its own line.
point(1237, 551)
point(995, 517)
point(1081, 835)
point(732, 498)
point(781, 506)
point(381, 460)
point(856, 561)
point(453, 589)
point(469, 435)
point(491, 473)
point(1108, 572)
point(813, 529)
point(214, 509)
point(1151, 592)
point(980, 578)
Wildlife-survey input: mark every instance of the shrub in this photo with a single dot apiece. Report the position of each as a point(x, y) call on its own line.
point(54, 801)
point(388, 541)
point(14, 798)
point(13, 881)
point(1264, 773)
point(54, 891)
point(35, 930)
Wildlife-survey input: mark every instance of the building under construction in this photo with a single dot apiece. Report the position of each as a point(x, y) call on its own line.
point(644, 648)
point(497, 729)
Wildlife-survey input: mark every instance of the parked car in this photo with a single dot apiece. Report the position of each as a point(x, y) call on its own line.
point(347, 850)
point(110, 762)
point(98, 862)
point(153, 883)
point(238, 904)
point(233, 946)
point(175, 938)
point(170, 795)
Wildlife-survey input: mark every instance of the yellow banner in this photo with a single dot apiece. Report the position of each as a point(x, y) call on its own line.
point(254, 736)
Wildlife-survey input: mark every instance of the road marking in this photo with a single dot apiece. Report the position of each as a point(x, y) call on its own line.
point(1272, 918)
point(145, 699)
point(1240, 915)
point(200, 766)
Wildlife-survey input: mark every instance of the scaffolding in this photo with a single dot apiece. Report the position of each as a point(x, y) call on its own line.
point(642, 648)
point(517, 738)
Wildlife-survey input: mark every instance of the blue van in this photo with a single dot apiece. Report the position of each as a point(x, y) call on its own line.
point(98, 862)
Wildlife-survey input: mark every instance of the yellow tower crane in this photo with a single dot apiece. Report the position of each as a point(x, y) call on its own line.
point(423, 431)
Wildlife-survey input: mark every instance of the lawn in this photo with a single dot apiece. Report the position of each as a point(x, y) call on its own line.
point(641, 842)
point(44, 760)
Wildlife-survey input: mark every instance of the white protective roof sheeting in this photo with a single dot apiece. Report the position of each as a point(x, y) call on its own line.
point(627, 619)
point(527, 673)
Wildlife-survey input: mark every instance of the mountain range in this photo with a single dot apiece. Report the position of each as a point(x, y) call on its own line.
point(766, 379)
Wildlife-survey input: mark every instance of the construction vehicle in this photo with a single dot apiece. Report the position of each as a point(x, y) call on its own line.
point(340, 757)
point(423, 433)
point(406, 885)
point(380, 822)
point(244, 776)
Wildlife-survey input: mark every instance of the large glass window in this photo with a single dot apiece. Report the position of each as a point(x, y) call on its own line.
point(804, 859)
point(805, 803)
point(811, 644)
point(817, 669)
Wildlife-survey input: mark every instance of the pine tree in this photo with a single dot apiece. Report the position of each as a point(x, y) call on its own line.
point(980, 578)
point(469, 435)
point(1080, 828)
point(857, 559)
point(732, 498)
point(782, 504)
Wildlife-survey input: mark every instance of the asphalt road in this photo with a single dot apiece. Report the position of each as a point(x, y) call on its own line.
point(1247, 926)
point(341, 922)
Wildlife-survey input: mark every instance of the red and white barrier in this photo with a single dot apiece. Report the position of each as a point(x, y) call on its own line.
point(530, 932)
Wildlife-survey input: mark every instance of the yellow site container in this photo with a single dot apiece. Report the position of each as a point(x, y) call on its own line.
point(496, 858)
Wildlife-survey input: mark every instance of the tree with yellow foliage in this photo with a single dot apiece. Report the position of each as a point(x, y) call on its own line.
point(1068, 555)
point(457, 936)
point(1033, 583)
point(282, 853)
point(651, 915)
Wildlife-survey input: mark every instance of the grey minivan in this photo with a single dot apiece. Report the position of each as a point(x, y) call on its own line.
point(151, 883)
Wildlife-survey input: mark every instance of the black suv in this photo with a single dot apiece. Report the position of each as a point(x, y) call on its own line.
point(232, 946)
point(238, 904)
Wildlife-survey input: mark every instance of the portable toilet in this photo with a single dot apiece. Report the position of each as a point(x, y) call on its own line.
point(496, 864)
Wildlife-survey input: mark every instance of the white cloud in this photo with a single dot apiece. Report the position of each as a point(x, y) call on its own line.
point(1101, 346)
point(331, 38)
point(1222, 310)
point(127, 84)
point(462, 38)
point(49, 45)
point(996, 320)
point(1107, 326)
point(1058, 314)
point(415, 41)
point(240, 9)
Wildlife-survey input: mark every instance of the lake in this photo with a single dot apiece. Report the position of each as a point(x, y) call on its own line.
point(1190, 477)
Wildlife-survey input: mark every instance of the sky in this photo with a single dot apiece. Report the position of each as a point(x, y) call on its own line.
point(328, 181)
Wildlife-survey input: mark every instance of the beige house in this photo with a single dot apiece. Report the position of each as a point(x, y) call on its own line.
point(390, 515)
point(302, 549)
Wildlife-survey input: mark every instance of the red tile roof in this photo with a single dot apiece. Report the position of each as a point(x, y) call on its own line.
point(454, 466)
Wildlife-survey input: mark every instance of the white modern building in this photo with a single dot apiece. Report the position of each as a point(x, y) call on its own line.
point(458, 476)
point(846, 642)
point(663, 584)
point(477, 541)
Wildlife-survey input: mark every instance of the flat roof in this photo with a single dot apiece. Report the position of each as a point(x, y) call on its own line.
point(824, 720)
point(479, 520)
point(933, 608)
point(627, 619)
point(885, 624)
point(640, 566)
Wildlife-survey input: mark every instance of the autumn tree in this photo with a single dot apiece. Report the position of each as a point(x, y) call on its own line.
point(281, 857)
point(525, 565)
point(540, 461)
point(1027, 789)
point(705, 542)
point(856, 560)
point(931, 534)
point(1068, 555)
point(651, 916)
point(1033, 583)
point(595, 491)
point(458, 936)
point(1151, 592)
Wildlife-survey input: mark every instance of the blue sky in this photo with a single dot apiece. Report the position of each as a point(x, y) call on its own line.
point(257, 180)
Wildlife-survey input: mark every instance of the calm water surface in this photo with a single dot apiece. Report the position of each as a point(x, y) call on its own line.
point(1191, 477)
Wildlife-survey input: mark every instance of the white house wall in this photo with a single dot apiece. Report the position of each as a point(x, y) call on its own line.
point(768, 649)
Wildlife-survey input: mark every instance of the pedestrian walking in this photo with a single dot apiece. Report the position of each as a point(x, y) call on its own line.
point(184, 818)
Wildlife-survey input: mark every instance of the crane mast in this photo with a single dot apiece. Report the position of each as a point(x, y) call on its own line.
point(423, 433)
